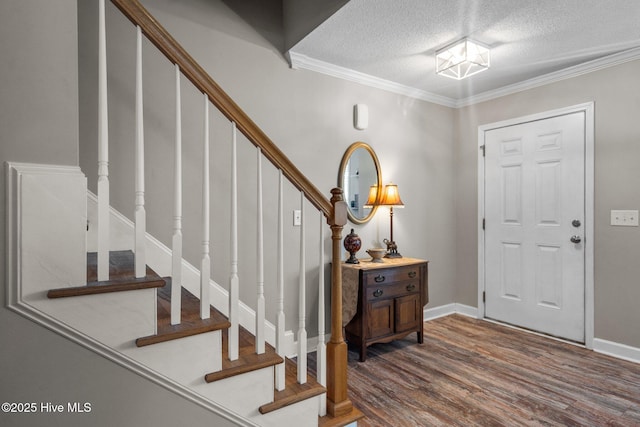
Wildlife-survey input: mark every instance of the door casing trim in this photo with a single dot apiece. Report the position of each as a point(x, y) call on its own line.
point(589, 110)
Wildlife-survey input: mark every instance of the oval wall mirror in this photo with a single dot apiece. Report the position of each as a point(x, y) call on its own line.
point(359, 171)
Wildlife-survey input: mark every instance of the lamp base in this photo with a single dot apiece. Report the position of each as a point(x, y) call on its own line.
point(393, 255)
point(392, 249)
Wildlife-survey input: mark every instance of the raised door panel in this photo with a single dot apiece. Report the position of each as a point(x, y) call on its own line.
point(407, 311)
point(380, 319)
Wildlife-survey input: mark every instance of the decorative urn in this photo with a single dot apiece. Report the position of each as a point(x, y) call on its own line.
point(352, 244)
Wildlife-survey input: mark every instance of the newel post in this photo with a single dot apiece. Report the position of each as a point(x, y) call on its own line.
point(337, 402)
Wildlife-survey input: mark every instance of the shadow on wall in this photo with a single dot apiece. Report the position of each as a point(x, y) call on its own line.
point(264, 16)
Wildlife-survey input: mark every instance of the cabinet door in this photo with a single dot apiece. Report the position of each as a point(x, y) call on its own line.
point(380, 319)
point(407, 312)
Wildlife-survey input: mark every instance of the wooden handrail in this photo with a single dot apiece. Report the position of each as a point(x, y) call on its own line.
point(175, 53)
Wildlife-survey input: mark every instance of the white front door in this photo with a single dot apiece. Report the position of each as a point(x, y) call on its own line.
point(534, 225)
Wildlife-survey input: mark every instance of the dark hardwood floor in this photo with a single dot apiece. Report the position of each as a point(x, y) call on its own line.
point(470, 372)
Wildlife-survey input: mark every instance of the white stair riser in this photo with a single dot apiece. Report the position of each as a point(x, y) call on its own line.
point(115, 319)
point(185, 360)
point(243, 394)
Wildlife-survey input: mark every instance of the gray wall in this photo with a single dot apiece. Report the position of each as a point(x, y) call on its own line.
point(39, 123)
point(309, 117)
point(616, 94)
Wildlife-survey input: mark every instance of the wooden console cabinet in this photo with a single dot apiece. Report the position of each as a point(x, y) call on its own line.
point(389, 303)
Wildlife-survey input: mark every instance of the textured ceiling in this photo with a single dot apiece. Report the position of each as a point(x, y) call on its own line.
point(396, 40)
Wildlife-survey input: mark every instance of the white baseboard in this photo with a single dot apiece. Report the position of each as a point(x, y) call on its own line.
point(621, 351)
point(610, 348)
point(447, 309)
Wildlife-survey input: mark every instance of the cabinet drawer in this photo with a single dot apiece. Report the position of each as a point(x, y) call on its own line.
point(391, 290)
point(390, 275)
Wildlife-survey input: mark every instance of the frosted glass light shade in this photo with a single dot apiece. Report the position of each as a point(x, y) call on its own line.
point(462, 59)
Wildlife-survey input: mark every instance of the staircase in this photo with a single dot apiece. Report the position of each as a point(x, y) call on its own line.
point(127, 319)
point(73, 268)
point(122, 279)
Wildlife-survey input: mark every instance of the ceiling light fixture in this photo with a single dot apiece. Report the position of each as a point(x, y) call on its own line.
point(462, 59)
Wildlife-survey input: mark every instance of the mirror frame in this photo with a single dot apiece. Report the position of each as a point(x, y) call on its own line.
point(343, 166)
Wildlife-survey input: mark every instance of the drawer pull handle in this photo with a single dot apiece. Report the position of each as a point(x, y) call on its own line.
point(377, 293)
point(412, 274)
point(411, 287)
point(379, 278)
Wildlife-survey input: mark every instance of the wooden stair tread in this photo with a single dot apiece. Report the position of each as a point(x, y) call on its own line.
point(247, 360)
point(293, 392)
point(121, 277)
point(190, 321)
point(343, 420)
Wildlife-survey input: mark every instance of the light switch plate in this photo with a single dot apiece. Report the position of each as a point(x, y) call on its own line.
point(297, 217)
point(627, 218)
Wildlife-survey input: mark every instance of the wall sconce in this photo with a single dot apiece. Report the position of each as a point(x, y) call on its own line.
point(390, 197)
point(462, 59)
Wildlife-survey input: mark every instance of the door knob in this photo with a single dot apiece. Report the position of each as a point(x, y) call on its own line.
point(576, 239)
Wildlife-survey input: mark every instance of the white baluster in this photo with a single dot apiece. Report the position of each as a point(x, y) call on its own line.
point(205, 265)
point(140, 214)
point(176, 258)
point(321, 351)
point(234, 287)
point(260, 309)
point(103, 149)
point(280, 369)
point(302, 333)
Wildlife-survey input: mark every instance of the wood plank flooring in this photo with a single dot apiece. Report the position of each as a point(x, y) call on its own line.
point(470, 372)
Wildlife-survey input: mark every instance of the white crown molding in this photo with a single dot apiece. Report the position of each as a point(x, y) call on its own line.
point(297, 61)
point(556, 76)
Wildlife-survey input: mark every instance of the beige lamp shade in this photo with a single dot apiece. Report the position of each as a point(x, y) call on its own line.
point(391, 196)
